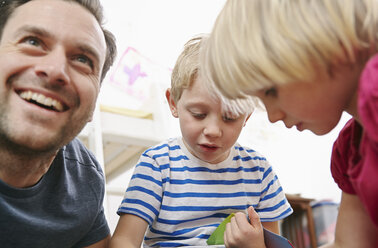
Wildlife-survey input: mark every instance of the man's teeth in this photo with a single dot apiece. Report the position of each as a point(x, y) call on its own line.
point(41, 99)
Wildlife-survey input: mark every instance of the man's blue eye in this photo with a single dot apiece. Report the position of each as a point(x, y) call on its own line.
point(32, 41)
point(85, 60)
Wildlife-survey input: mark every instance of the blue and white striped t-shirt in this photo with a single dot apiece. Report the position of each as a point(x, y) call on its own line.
point(184, 199)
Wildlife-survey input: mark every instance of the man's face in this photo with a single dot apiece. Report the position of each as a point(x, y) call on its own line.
point(207, 131)
point(51, 55)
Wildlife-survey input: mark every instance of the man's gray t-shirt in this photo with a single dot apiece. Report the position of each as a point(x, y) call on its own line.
point(64, 209)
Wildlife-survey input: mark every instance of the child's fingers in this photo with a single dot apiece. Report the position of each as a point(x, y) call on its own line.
point(241, 221)
point(226, 235)
point(229, 234)
point(254, 217)
point(234, 226)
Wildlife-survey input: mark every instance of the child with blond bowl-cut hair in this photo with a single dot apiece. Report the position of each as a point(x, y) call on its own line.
point(183, 188)
point(309, 61)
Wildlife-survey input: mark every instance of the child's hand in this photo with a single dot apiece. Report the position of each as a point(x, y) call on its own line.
point(242, 234)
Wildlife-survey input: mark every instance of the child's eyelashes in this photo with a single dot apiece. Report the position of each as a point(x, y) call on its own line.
point(271, 92)
point(229, 119)
point(198, 115)
point(201, 116)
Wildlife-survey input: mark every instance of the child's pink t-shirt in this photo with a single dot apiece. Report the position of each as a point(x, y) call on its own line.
point(354, 164)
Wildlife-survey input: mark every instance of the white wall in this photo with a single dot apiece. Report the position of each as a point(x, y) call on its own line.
point(158, 29)
point(300, 159)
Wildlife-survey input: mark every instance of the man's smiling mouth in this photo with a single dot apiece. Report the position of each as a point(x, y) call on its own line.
point(42, 101)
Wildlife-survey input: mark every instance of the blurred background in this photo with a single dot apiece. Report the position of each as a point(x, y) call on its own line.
point(132, 112)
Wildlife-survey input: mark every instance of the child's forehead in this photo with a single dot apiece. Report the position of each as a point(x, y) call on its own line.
point(234, 107)
point(207, 102)
point(200, 92)
point(239, 106)
point(200, 100)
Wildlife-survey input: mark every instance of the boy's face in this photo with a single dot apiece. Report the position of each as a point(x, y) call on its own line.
point(51, 55)
point(316, 105)
point(207, 132)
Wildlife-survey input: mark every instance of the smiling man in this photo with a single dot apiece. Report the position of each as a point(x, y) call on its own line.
point(53, 57)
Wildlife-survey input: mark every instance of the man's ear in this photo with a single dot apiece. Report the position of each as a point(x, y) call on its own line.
point(171, 102)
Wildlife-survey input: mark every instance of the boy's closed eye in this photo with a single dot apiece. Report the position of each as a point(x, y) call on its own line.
point(197, 111)
point(229, 118)
point(272, 92)
point(198, 115)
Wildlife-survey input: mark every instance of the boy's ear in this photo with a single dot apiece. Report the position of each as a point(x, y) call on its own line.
point(171, 102)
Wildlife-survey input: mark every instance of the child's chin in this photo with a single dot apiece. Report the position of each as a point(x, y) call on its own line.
point(319, 132)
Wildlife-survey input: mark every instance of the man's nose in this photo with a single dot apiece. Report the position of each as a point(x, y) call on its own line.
point(53, 67)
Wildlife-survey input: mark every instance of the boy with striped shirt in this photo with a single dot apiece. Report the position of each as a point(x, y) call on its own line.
point(183, 188)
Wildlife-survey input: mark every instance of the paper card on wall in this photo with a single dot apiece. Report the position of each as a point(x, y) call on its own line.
point(129, 85)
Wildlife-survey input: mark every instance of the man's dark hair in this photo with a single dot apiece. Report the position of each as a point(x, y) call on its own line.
point(7, 7)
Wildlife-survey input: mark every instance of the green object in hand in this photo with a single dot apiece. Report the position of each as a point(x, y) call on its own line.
point(217, 237)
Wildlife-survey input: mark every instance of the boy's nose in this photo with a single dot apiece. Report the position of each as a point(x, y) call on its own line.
point(53, 67)
point(212, 129)
point(274, 113)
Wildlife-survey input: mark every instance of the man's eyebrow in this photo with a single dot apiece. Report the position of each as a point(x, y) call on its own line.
point(34, 30)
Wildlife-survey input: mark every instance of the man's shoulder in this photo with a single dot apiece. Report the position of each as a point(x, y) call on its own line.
point(76, 152)
point(76, 164)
